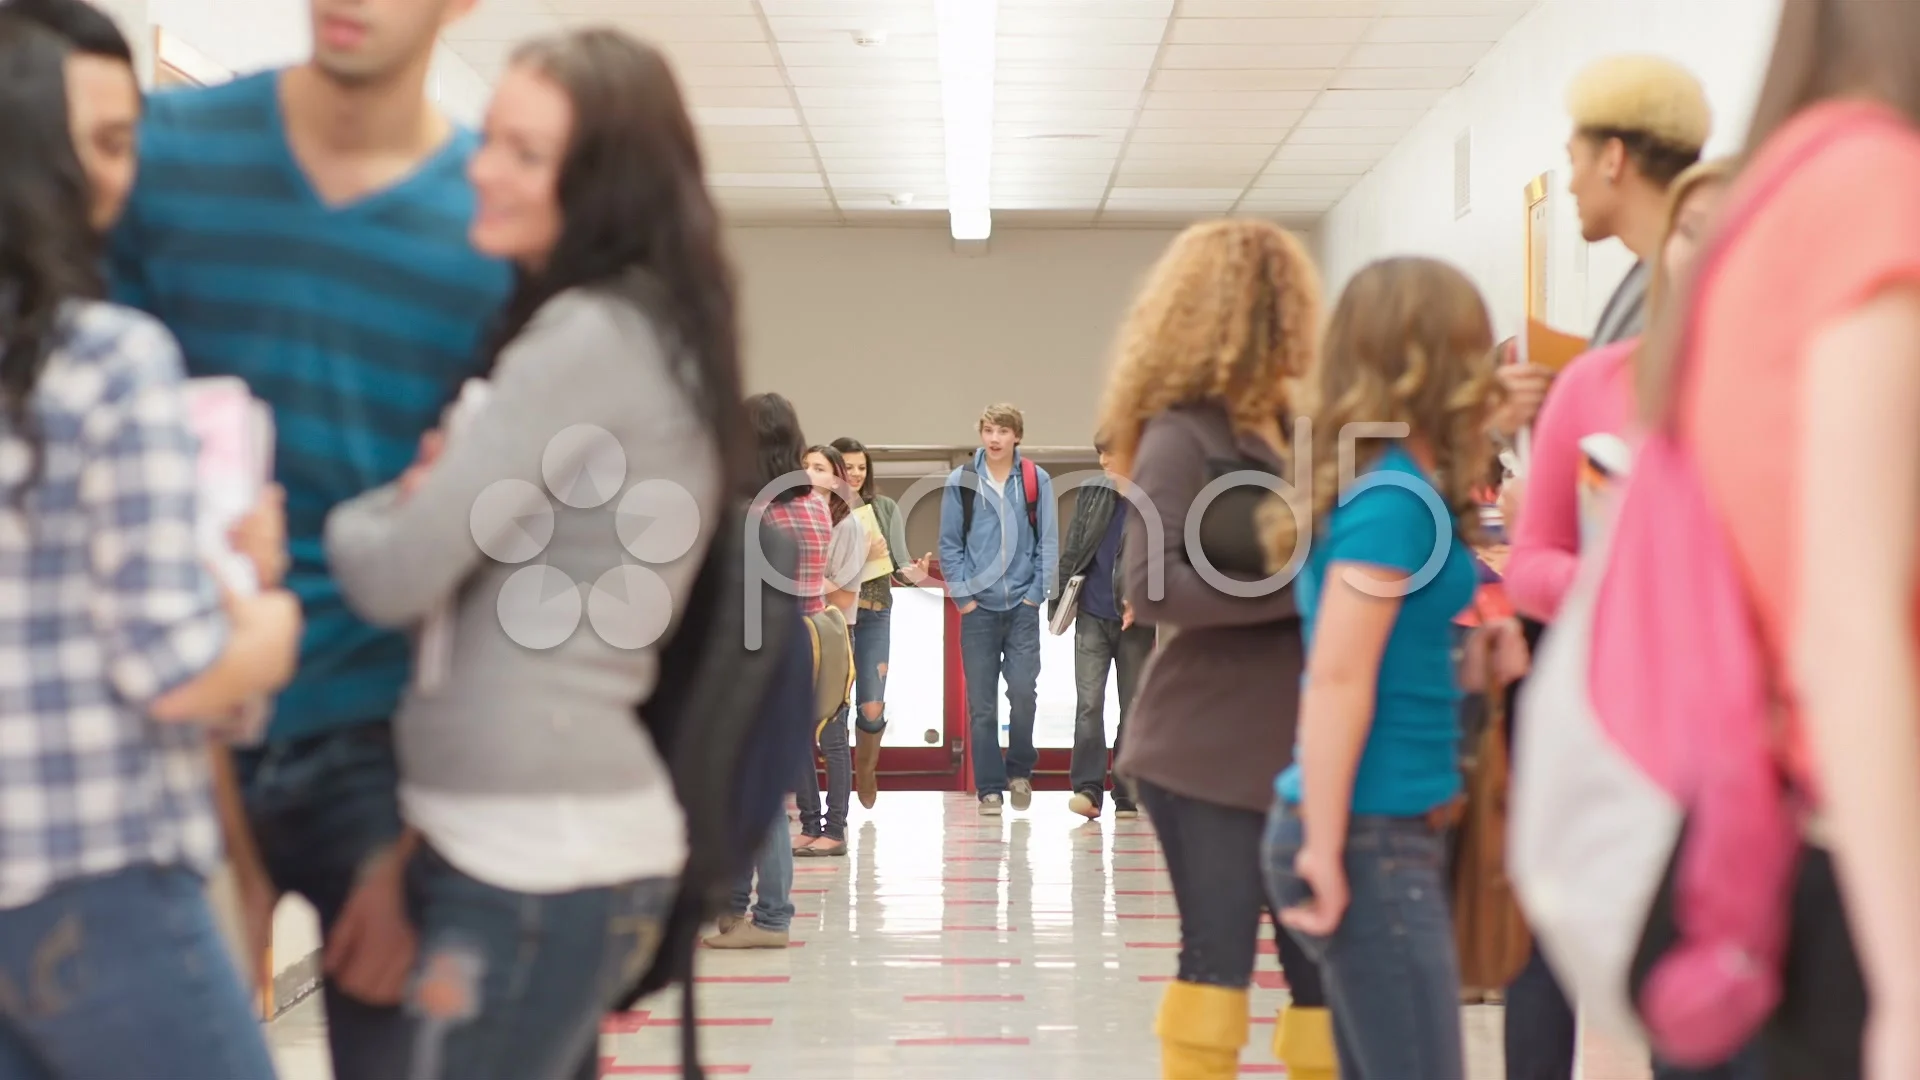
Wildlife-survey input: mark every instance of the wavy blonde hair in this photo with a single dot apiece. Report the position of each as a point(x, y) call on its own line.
point(1229, 314)
point(1410, 342)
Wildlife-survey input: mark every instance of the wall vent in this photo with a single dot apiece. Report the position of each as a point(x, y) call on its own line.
point(1463, 174)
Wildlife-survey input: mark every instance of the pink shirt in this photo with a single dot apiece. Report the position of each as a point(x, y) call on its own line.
point(1593, 395)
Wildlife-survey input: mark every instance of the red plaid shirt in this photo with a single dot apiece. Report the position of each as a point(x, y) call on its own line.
point(810, 523)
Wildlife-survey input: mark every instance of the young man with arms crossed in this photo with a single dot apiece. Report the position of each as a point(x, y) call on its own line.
point(1105, 637)
point(999, 540)
point(306, 230)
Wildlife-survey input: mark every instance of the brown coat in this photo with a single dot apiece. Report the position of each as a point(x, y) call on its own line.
point(1215, 712)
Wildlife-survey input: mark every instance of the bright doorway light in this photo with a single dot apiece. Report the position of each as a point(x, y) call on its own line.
point(966, 93)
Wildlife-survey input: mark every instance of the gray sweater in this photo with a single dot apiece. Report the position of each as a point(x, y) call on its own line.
point(512, 719)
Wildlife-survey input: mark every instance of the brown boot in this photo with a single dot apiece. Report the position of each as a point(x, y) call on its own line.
point(866, 764)
point(745, 935)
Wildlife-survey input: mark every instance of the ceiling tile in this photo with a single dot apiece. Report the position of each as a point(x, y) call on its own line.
point(786, 134)
point(1324, 116)
point(1463, 54)
point(876, 74)
point(1253, 56)
point(816, 197)
point(1112, 9)
point(765, 97)
point(860, 97)
point(847, 54)
point(1145, 194)
point(1201, 80)
point(896, 23)
point(607, 9)
point(728, 76)
point(1038, 22)
point(1295, 167)
point(1278, 121)
point(1335, 136)
point(1190, 31)
point(863, 10)
point(1071, 78)
point(915, 113)
point(1047, 203)
point(1235, 180)
point(721, 54)
point(763, 180)
point(1006, 97)
point(1380, 99)
point(1253, 136)
point(1281, 9)
point(1401, 78)
point(1484, 29)
point(1293, 151)
point(1265, 101)
point(489, 23)
point(1459, 9)
point(1199, 154)
point(1025, 51)
point(1043, 219)
point(723, 116)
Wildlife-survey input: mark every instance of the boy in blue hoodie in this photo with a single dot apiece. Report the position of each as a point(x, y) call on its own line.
point(999, 540)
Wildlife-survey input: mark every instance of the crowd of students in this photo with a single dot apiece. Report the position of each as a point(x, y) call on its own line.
point(494, 851)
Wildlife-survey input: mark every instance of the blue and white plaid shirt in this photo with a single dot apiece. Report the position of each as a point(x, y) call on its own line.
point(104, 606)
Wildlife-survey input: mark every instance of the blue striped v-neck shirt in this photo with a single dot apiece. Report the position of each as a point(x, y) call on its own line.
point(356, 322)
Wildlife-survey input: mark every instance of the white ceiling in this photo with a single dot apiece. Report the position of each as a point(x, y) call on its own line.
point(1107, 112)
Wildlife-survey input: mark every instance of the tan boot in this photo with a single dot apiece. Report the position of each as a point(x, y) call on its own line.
point(1303, 1041)
point(1202, 1030)
point(745, 935)
point(866, 764)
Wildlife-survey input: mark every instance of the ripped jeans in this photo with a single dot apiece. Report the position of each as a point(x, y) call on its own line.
point(512, 986)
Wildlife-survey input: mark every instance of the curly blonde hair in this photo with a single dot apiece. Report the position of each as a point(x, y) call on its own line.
point(1229, 314)
point(1410, 342)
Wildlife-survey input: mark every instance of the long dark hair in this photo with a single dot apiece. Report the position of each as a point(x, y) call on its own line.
point(48, 252)
point(637, 220)
point(855, 446)
point(835, 500)
point(778, 444)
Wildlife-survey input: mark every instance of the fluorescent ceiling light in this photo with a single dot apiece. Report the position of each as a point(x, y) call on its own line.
point(966, 93)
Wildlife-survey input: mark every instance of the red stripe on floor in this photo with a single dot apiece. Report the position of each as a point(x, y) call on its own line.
point(743, 979)
point(962, 999)
point(968, 1040)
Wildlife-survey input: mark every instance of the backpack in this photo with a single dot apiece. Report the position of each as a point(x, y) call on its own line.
point(1653, 834)
point(733, 726)
point(1029, 482)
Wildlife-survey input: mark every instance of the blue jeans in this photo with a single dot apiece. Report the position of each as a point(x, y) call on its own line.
point(872, 649)
point(992, 644)
point(319, 808)
point(120, 977)
point(1390, 971)
point(509, 984)
point(775, 870)
point(838, 754)
point(1100, 645)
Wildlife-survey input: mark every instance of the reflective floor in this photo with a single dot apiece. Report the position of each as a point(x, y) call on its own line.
point(950, 946)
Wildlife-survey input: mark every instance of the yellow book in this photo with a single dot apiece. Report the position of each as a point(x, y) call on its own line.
point(883, 565)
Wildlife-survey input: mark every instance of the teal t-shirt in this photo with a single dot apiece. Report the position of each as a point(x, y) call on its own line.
point(1396, 519)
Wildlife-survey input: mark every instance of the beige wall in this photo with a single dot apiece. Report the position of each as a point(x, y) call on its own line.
point(888, 336)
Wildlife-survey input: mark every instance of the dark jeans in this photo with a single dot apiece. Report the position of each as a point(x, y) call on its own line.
point(839, 757)
point(1213, 857)
point(1100, 644)
point(320, 807)
point(993, 643)
point(872, 649)
point(774, 868)
point(511, 985)
point(1390, 968)
point(124, 975)
point(1540, 1029)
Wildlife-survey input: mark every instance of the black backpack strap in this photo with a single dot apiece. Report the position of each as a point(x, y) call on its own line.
point(966, 511)
point(689, 1034)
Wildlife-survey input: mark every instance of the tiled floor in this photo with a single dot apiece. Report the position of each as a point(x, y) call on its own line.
point(948, 945)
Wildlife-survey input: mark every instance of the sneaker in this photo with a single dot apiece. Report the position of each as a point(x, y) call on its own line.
point(1085, 805)
point(989, 806)
point(1125, 809)
point(746, 935)
point(866, 765)
point(1022, 792)
point(822, 847)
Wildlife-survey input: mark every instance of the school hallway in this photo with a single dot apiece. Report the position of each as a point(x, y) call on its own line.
point(948, 945)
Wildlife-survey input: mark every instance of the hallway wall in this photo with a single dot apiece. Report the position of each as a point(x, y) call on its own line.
point(1515, 106)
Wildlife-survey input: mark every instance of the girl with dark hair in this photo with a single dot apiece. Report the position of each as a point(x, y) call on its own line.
point(847, 555)
point(118, 641)
point(1802, 336)
point(544, 836)
point(789, 502)
point(873, 634)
